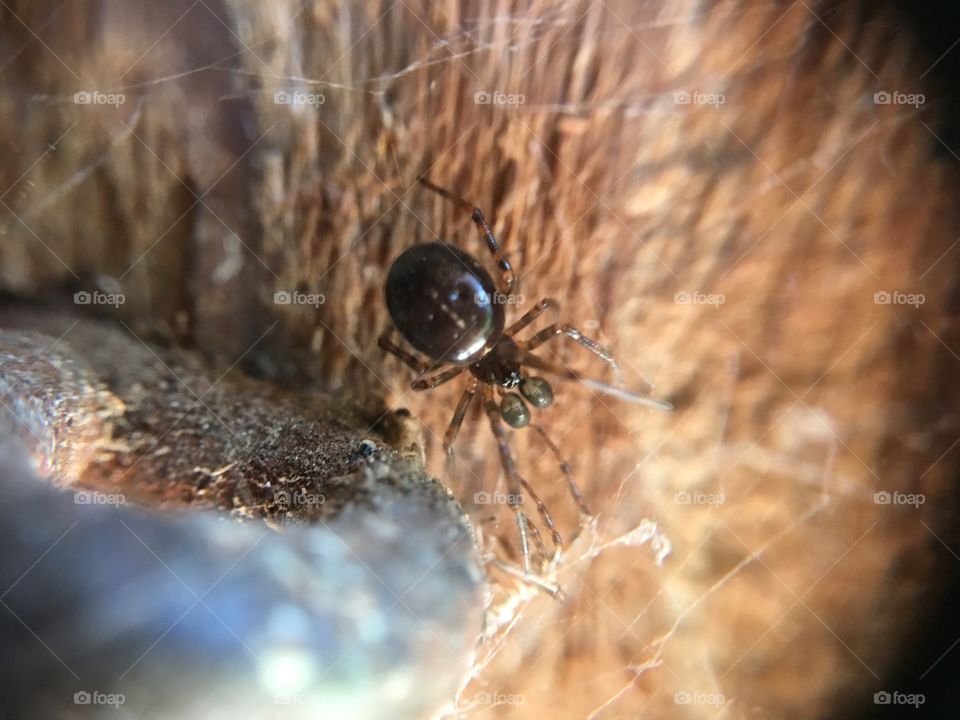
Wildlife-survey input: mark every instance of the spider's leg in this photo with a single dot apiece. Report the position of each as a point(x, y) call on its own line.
point(506, 459)
point(564, 468)
point(539, 363)
point(507, 278)
point(537, 540)
point(458, 416)
point(539, 309)
point(557, 329)
point(427, 383)
point(391, 347)
point(544, 513)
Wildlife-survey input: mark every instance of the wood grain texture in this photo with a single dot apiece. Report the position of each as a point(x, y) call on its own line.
point(795, 201)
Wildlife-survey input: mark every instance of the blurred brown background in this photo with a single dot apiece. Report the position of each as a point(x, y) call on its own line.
point(750, 202)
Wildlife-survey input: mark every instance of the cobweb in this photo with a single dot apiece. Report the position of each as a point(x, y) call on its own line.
point(800, 457)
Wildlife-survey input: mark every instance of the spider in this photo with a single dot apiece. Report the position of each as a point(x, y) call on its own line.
point(446, 305)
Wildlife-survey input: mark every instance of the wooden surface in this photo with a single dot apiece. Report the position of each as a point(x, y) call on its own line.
point(781, 210)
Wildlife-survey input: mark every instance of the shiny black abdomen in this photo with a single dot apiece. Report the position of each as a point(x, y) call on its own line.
point(443, 302)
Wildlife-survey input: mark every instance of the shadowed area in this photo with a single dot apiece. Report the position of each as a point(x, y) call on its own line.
point(362, 589)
